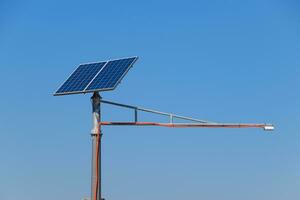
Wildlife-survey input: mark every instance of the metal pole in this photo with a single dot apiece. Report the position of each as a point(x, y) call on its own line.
point(96, 148)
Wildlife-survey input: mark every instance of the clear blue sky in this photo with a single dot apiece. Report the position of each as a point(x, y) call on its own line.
point(228, 61)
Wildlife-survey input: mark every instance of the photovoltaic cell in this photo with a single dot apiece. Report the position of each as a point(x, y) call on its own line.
point(99, 76)
point(80, 78)
point(111, 74)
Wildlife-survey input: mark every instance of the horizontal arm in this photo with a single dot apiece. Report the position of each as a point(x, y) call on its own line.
point(267, 127)
point(197, 123)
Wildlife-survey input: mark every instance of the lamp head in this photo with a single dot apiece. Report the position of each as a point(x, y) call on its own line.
point(269, 128)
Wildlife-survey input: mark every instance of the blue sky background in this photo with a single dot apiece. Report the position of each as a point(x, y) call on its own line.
point(227, 61)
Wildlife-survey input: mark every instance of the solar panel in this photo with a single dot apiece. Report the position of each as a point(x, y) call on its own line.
point(99, 76)
point(80, 78)
point(111, 74)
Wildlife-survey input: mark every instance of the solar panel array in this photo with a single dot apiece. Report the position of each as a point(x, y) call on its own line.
point(100, 76)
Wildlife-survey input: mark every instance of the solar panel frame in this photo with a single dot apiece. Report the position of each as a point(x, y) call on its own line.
point(97, 90)
point(119, 80)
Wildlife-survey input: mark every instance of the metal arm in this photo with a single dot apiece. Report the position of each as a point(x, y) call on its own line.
point(197, 123)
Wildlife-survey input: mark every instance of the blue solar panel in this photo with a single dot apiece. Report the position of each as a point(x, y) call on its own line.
point(80, 78)
point(99, 76)
point(111, 74)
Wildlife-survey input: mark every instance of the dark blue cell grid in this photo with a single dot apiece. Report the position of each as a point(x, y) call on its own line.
point(80, 78)
point(111, 74)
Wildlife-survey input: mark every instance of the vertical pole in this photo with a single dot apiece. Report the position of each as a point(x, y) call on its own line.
point(96, 148)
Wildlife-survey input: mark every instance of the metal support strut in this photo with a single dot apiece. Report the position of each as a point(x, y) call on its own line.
point(96, 148)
